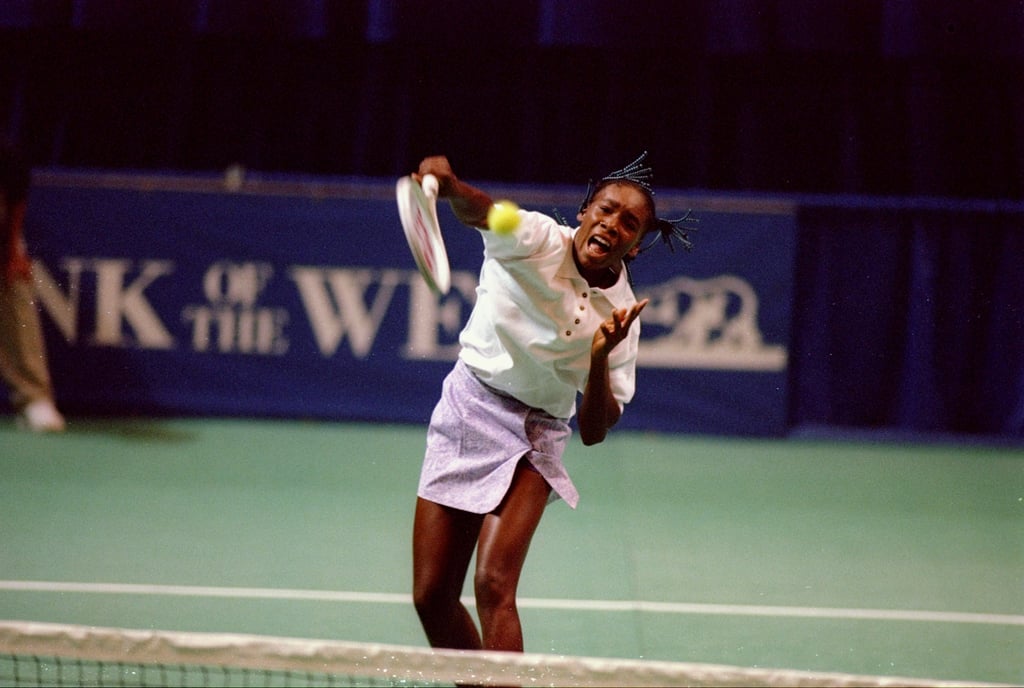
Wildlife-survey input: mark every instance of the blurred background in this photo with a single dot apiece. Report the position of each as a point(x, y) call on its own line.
point(215, 237)
point(878, 143)
point(906, 97)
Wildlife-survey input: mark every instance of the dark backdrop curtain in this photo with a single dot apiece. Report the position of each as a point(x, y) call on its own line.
point(907, 97)
point(910, 319)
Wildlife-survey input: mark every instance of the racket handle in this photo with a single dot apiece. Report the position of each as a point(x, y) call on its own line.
point(430, 186)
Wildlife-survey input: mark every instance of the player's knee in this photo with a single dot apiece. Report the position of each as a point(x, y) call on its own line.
point(429, 598)
point(494, 588)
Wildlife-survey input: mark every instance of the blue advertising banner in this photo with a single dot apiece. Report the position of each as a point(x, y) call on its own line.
point(190, 296)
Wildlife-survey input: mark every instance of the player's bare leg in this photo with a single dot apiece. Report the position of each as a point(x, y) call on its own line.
point(443, 543)
point(504, 541)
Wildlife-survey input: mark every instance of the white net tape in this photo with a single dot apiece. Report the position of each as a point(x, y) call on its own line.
point(392, 664)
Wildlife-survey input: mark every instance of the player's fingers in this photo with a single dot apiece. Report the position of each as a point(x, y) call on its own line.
point(609, 329)
point(634, 312)
point(621, 318)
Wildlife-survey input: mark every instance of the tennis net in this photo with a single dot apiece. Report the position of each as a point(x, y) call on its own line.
point(43, 654)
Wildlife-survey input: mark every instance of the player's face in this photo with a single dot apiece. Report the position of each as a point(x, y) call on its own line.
point(611, 227)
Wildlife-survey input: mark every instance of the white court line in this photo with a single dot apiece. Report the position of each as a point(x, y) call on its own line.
point(525, 603)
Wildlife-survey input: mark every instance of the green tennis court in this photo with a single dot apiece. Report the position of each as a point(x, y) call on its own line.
point(860, 557)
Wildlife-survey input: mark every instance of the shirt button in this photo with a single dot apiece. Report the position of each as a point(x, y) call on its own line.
point(584, 294)
point(577, 321)
point(582, 307)
point(568, 333)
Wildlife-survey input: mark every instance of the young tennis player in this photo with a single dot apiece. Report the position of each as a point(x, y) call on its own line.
point(555, 317)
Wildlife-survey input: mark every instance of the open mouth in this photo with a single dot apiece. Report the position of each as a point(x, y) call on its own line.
point(599, 244)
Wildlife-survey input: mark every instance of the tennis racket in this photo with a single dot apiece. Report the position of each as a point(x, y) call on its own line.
point(417, 208)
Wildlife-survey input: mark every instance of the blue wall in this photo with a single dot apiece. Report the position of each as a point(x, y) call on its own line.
point(298, 298)
point(910, 315)
point(175, 295)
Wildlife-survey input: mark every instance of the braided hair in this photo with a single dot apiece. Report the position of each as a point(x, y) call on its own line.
point(640, 175)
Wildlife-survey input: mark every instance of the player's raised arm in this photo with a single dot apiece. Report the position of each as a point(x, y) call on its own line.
point(469, 203)
point(599, 410)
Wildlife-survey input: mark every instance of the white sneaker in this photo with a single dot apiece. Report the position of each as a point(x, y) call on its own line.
point(41, 416)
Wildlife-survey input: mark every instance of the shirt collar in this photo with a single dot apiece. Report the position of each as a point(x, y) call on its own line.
point(619, 294)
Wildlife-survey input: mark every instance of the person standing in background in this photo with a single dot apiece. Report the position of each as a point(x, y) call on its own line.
point(24, 367)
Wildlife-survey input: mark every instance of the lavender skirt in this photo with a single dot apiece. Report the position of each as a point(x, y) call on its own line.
point(477, 436)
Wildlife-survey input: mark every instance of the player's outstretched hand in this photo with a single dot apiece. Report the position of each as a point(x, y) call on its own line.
point(613, 330)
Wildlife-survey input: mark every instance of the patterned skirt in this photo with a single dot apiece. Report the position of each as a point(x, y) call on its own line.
point(477, 437)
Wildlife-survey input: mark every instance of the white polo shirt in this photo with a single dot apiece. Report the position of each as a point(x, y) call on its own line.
point(530, 332)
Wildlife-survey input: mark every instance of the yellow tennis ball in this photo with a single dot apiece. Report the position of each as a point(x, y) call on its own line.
point(503, 217)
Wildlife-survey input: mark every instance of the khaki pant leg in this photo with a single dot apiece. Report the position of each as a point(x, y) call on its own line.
point(23, 363)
